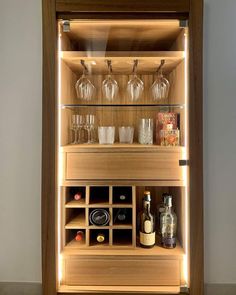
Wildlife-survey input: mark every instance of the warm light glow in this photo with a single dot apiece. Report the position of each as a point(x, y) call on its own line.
point(186, 156)
point(59, 161)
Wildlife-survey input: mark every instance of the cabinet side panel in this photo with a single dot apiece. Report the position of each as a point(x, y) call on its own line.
point(196, 148)
point(49, 276)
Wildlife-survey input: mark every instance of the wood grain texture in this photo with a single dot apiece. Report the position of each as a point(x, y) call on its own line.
point(102, 271)
point(119, 290)
point(49, 152)
point(196, 148)
point(181, 6)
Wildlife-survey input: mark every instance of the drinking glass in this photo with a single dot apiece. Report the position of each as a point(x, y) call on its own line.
point(82, 138)
point(109, 85)
point(74, 128)
point(126, 134)
point(106, 135)
point(84, 87)
point(135, 85)
point(90, 128)
point(145, 135)
point(160, 87)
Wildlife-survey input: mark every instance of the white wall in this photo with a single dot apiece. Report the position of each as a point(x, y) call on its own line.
point(220, 140)
point(20, 140)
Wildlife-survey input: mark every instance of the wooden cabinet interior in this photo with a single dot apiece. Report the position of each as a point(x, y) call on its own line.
point(100, 173)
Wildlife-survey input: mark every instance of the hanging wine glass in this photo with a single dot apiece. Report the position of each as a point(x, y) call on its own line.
point(135, 85)
point(161, 86)
point(110, 86)
point(84, 87)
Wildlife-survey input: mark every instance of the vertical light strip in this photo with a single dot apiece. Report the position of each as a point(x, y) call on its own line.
point(59, 160)
point(186, 156)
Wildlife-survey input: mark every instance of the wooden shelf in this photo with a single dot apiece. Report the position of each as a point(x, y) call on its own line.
point(96, 147)
point(122, 61)
point(129, 289)
point(75, 204)
point(157, 251)
point(78, 204)
point(77, 222)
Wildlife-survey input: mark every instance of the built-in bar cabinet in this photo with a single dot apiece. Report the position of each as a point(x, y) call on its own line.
point(122, 115)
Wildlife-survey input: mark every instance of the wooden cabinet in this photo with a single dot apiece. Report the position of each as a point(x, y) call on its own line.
point(84, 37)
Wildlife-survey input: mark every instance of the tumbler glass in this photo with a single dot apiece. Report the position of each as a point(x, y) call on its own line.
point(145, 134)
point(126, 134)
point(106, 135)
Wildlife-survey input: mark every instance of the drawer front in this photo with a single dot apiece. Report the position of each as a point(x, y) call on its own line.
point(150, 166)
point(121, 272)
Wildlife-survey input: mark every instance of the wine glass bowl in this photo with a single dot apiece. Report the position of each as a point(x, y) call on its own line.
point(84, 87)
point(109, 85)
point(135, 85)
point(161, 86)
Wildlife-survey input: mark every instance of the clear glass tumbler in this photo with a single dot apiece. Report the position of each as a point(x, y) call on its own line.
point(106, 135)
point(126, 134)
point(145, 133)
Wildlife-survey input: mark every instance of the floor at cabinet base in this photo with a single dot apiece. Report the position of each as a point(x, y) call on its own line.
point(117, 289)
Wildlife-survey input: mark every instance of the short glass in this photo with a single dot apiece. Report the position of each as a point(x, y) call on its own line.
point(106, 135)
point(126, 134)
point(145, 133)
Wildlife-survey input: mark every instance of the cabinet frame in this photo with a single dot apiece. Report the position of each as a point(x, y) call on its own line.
point(69, 9)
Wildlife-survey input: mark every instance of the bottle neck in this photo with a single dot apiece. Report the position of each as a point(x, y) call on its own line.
point(146, 206)
point(168, 209)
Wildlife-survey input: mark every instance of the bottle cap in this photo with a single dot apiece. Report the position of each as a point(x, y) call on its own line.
point(168, 200)
point(100, 238)
point(147, 196)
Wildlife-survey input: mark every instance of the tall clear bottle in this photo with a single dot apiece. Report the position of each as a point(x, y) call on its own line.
point(168, 225)
point(147, 225)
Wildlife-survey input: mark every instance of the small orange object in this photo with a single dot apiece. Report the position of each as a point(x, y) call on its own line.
point(77, 196)
point(79, 236)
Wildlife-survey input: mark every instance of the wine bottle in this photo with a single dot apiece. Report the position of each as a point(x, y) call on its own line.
point(100, 237)
point(79, 236)
point(147, 231)
point(168, 225)
point(78, 196)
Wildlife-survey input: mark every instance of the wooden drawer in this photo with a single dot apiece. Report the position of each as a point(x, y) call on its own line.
point(126, 272)
point(100, 166)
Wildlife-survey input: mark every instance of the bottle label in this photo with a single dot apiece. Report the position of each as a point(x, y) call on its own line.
point(147, 226)
point(147, 239)
point(168, 229)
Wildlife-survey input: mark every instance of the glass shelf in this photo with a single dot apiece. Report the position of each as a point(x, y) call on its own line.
point(180, 106)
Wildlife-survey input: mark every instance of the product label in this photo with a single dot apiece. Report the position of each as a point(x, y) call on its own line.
point(147, 226)
point(168, 229)
point(147, 239)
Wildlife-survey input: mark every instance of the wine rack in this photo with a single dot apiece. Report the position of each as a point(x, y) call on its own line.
point(76, 216)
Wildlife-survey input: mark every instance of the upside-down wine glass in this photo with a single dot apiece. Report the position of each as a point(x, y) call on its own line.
point(84, 87)
point(135, 85)
point(110, 85)
point(160, 87)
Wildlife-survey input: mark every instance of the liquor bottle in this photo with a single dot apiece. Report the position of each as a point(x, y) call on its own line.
point(79, 236)
point(100, 237)
point(160, 209)
point(168, 225)
point(147, 232)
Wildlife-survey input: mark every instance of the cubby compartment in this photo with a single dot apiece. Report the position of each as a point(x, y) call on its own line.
point(75, 218)
point(97, 235)
point(71, 239)
point(122, 216)
point(122, 195)
point(122, 237)
point(75, 196)
point(99, 195)
point(99, 217)
point(179, 207)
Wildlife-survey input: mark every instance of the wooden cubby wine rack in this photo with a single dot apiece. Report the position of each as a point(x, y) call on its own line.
point(77, 212)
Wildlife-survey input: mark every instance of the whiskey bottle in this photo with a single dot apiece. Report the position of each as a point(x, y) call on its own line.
point(168, 225)
point(147, 232)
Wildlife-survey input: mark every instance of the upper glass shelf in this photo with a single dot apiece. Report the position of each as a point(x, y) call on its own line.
point(124, 106)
